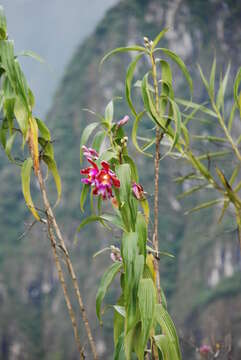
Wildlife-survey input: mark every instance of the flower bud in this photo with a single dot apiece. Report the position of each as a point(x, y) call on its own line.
point(123, 121)
point(138, 191)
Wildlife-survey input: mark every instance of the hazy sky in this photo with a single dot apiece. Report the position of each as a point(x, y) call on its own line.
point(53, 29)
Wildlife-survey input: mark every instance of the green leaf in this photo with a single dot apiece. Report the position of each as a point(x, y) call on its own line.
point(134, 134)
point(123, 173)
point(22, 115)
point(14, 72)
point(141, 229)
point(129, 78)
point(204, 80)
point(180, 64)
point(212, 79)
point(83, 195)
point(168, 328)
point(85, 136)
point(222, 89)
point(147, 302)
point(204, 206)
point(3, 24)
point(231, 117)
point(43, 129)
point(31, 98)
point(31, 54)
point(25, 175)
point(106, 280)
point(158, 38)
point(9, 145)
point(149, 103)
point(236, 88)
point(134, 171)
point(120, 310)
point(177, 119)
point(129, 251)
point(89, 219)
point(145, 206)
point(136, 269)
point(163, 345)
point(226, 204)
point(114, 219)
point(209, 138)
point(119, 353)
point(138, 345)
point(122, 49)
point(193, 105)
point(98, 140)
point(50, 162)
point(191, 191)
point(109, 112)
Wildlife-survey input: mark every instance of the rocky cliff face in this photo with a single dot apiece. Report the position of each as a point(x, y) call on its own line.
point(203, 282)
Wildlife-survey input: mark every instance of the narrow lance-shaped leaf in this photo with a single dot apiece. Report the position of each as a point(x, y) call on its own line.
point(31, 54)
point(134, 134)
point(237, 96)
point(222, 88)
point(191, 191)
point(141, 229)
point(119, 353)
point(212, 79)
point(83, 195)
point(158, 38)
point(128, 83)
point(147, 302)
point(3, 24)
point(9, 145)
point(43, 129)
point(132, 164)
point(98, 140)
point(122, 49)
point(50, 162)
point(204, 206)
point(25, 175)
point(204, 80)
point(106, 280)
point(163, 345)
point(109, 112)
point(21, 114)
point(180, 64)
point(177, 119)
point(149, 103)
point(193, 105)
point(168, 328)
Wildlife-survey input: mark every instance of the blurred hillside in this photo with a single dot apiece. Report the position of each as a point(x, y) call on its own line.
point(203, 283)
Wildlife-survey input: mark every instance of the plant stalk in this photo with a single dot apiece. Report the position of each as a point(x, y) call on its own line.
point(156, 192)
point(64, 287)
point(53, 224)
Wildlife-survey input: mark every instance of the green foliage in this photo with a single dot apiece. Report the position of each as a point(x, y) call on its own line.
point(18, 103)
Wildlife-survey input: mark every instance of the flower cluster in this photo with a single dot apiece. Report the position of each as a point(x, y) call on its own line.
point(102, 180)
point(205, 350)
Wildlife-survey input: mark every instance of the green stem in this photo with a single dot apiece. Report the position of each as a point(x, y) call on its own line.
point(156, 194)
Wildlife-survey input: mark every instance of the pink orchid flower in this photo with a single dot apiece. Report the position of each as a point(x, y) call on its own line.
point(102, 179)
